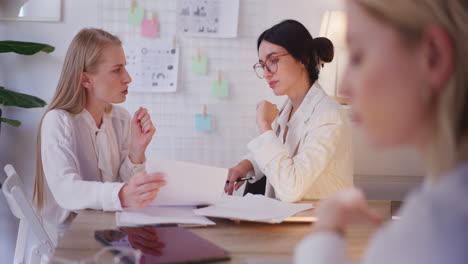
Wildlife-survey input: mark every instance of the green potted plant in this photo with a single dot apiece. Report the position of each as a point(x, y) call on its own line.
point(11, 98)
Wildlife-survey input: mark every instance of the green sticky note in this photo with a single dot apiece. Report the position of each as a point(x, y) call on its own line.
point(203, 123)
point(199, 66)
point(136, 16)
point(220, 89)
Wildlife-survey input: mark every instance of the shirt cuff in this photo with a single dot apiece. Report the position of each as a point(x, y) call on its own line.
point(136, 167)
point(256, 172)
point(322, 247)
point(111, 189)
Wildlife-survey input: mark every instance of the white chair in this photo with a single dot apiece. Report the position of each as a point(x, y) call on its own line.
point(30, 222)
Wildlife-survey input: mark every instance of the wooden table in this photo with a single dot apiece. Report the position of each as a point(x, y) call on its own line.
point(243, 239)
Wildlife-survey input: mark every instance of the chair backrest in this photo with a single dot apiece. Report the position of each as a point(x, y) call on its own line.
point(21, 207)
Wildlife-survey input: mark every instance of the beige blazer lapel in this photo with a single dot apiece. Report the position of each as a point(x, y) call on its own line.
point(298, 123)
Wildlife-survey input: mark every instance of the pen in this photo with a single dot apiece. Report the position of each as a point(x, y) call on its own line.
point(243, 179)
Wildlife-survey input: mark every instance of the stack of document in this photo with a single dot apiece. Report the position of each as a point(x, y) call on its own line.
point(251, 207)
point(188, 185)
point(153, 215)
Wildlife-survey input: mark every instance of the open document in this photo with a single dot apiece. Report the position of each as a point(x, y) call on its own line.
point(188, 185)
point(251, 207)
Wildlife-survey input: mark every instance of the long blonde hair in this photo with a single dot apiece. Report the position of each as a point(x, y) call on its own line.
point(83, 55)
point(449, 143)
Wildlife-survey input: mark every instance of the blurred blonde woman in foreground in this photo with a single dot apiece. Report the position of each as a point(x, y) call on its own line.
point(408, 83)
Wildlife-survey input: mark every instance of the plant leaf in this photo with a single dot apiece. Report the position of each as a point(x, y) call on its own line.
point(11, 98)
point(24, 48)
point(12, 122)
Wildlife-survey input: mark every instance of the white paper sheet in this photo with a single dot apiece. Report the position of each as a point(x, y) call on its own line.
point(253, 208)
point(153, 65)
point(188, 183)
point(208, 18)
point(161, 215)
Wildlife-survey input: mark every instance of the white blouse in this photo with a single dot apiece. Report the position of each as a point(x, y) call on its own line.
point(84, 166)
point(315, 161)
point(433, 228)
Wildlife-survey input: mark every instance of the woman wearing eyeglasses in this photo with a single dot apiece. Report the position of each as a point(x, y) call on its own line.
point(304, 148)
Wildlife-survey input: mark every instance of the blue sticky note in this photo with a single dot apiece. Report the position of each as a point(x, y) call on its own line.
point(199, 66)
point(136, 16)
point(220, 89)
point(203, 123)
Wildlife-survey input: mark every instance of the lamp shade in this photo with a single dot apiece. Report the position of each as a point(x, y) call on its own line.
point(334, 27)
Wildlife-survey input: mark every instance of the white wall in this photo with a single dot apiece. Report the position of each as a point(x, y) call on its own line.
point(2, 36)
point(308, 12)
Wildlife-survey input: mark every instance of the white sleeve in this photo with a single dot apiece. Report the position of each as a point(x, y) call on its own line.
point(256, 170)
point(127, 167)
point(292, 176)
point(62, 173)
point(321, 248)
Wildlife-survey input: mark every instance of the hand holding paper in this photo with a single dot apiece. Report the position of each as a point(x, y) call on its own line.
point(188, 183)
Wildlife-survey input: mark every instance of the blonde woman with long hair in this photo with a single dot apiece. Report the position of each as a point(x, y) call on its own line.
point(91, 153)
point(408, 84)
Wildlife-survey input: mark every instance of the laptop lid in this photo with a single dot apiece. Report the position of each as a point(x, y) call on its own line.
point(163, 244)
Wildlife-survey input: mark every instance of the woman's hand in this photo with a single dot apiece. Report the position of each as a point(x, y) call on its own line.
point(347, 207)
point(141, 190)
point(142, 131)
point(266, 114)
point(237, 172)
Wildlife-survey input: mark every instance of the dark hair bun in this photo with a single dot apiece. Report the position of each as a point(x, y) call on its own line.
point(296, 39)
point(324, 49)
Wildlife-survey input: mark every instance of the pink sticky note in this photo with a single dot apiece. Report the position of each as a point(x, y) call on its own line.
point(149, 28)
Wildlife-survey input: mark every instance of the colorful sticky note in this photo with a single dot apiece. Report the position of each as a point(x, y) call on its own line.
point(136, 16)
point(199, 66)
point(220, 89)
point(149, 28)
point(203, 123)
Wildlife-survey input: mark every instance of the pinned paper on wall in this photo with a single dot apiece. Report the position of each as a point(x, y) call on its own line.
point(199, 64)
point(208, 18)
point(203, 122)
point(153, 65)
point(135, 15)
point(150, 28)
point(219, 88)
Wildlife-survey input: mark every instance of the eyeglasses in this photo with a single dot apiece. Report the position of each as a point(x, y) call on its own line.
point(271, 64)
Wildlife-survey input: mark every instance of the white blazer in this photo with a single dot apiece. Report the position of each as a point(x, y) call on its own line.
point(316, 159)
